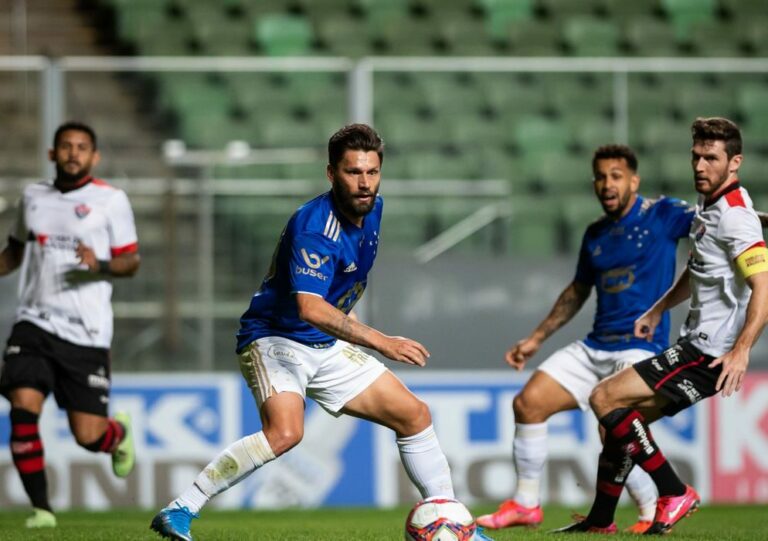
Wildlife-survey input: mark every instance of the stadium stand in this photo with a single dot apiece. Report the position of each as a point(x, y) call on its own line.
point(470, 126)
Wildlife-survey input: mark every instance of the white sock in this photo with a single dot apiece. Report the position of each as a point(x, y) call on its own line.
point(233, 464)
point(643, 491)
point(530, 454)
point(426, 464)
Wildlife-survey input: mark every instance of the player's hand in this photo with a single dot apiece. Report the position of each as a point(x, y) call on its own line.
point(520, 353)
point(87, 257)
point(645, 325)
point(405, 350)
point(734, 367)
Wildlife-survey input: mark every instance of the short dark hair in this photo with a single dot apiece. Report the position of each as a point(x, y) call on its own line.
point(74, 126)
point(718, 129)
point(354, 137)
point(609, 152)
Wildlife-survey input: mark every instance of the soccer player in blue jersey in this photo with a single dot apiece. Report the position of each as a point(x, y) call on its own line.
point(298, 338)
point(628, 256)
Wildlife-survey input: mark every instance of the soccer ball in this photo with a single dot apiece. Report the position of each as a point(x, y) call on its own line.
point(439, 519)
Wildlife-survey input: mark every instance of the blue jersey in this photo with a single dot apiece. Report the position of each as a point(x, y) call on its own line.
point(320, 253)
point(631, 263)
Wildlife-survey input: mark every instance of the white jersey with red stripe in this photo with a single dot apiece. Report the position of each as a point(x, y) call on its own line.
point(721, 231)
point(56, 292)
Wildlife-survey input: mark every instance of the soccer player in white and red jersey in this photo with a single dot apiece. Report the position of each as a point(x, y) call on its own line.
point(727, 281)
point(70, 237)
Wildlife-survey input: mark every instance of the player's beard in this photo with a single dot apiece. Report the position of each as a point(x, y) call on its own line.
point(67, 179)
point(348, 203)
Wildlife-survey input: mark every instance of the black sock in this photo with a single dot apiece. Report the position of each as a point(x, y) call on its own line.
point(628, 426)
point(612, 471)
point(27, 454)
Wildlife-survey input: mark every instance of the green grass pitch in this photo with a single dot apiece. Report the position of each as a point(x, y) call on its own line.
point(721, 523)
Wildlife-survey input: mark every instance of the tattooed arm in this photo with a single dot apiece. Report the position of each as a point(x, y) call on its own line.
point(566, 306)
point(320, 314)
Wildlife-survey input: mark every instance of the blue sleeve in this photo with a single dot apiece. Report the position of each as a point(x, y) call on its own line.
point(678, 216)
point(585, 274)
point(311, 263)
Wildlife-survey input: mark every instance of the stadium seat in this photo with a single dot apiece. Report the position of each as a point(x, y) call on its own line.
point(718, 38)
point(590, 131)
point(562, 173)
point(534, 134)
point(660, 133)
point(377, 12)
point(683, 14)
point(509, 94)
point(499, 14)
point(578, 212)
point(535, 226)
point(438, 165)
point(589, 36)
point(754, 30)
point(534, 38)
point(465, 36)
point(558, 10)
point(568, 96)
point(404, 37)
point(621, 10)
point(695, 98)
point(283, 35)
point(135, 18)
point(649, 36)
point(675, 170)
point(445, 92)
point(343, 36)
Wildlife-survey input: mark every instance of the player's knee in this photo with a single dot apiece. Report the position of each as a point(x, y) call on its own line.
point(414, 420)
point(283, 439)
point(526, 406)
point(599, 398)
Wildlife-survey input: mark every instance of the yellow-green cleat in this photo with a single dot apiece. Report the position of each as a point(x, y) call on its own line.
point(41, 518)
point(124, 456)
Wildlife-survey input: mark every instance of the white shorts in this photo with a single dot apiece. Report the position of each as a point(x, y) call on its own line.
point(332, 376)
point(579, 368)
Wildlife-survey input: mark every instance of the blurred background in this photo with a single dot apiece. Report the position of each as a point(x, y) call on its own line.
point(214, 117)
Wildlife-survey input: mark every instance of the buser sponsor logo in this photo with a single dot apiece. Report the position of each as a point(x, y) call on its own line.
point(311, 272)
point(313, 261)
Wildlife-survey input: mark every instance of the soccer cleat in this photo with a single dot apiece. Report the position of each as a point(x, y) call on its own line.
point(41, 518)
point(511, 513)
point(124, 456)
point(582, 526)
point(672, 509)
point(480, 535)
point(173, 523)
point(639, 527)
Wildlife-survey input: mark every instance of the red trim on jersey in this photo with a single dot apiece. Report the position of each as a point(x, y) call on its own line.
point(102, 183)
point(735, 199)
point(676, 371)
point(733, 186)
point(127, 249)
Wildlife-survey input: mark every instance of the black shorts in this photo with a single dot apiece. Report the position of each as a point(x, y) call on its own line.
point(79, 376)
point(681, 374)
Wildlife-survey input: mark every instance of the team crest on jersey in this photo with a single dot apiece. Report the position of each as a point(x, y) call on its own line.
point(82, 210)
point(700, 232)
